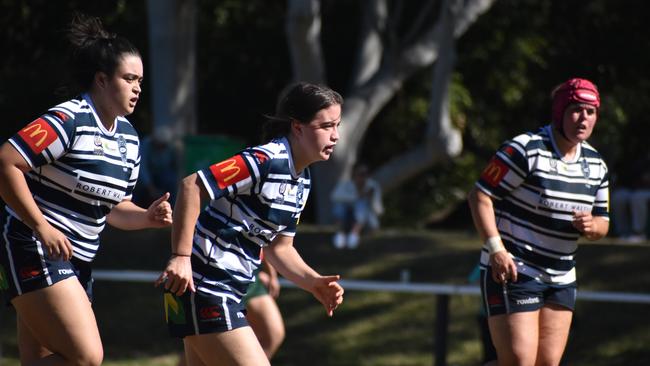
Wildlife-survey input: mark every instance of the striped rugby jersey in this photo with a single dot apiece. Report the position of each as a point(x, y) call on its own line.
point(254, 196)
point(80, 170)
point(535, 193)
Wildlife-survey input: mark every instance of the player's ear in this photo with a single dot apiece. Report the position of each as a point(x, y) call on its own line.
point(296, 127)
point(101, 79)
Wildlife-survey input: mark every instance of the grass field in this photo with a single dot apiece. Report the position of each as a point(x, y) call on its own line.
point(371, 328)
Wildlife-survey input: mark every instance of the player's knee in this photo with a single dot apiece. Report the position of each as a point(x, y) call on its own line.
point(516, 356)
point(548, 359)
point(88, 357)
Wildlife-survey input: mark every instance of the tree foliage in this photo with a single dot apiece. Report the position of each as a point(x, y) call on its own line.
point(507, 62)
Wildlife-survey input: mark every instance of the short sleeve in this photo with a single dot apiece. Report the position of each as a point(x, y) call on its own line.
point(237, 175)
point(601, 203)
point(507, 169)
point(133, 179)
point(45, 139)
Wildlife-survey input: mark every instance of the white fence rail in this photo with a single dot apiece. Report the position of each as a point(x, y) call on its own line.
point(412, 287)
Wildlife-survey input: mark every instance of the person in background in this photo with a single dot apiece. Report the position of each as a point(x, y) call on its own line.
point(630, 199)
point(159, 166)
point(538, 195)
point(255, 201)
point(262, 311)
point(357, 205)
point(64, 176)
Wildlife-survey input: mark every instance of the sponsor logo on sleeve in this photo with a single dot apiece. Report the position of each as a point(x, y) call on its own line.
point(230, 171)
point(261, 157)
point(494, 172)
point(62, 116)
point(38, 135)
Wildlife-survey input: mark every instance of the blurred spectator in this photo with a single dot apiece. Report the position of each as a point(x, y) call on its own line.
point(630, 199)
point(357, 206)
point(159, 166)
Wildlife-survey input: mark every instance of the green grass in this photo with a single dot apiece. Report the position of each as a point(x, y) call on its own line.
point(371, 328)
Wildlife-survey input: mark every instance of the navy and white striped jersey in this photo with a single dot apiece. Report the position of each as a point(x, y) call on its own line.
point(80, 170)
point(255, 195)
point(535, 193)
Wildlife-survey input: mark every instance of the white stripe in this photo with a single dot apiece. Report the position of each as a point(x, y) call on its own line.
point(10, 257)
point(206, 184)
point(484, 294)
point(224, 306)
point(195, 322)
point(46, 272)
point(57, 124)
point(215, 293)
point(99, 221)
point(22, 152)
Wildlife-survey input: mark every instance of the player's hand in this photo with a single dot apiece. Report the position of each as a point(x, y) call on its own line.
point(328, 292)
point(159, 212)
point(55, 242)
point(271, 283)
point(503, 267)
point(177, 277)
point(583, 221)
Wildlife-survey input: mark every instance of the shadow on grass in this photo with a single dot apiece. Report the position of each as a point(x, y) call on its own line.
point(371, 328)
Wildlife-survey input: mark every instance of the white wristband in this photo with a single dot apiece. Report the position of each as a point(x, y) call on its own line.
point(494, 245)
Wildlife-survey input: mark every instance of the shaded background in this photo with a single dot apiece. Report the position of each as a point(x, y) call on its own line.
point(508, 62)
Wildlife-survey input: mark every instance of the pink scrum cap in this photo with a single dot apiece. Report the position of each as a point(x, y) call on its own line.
point(573, 91)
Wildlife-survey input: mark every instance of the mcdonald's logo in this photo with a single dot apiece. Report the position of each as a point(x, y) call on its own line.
point(38, 135)
point(230, 171)
point(494, 172)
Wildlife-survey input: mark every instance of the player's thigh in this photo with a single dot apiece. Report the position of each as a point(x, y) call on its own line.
point(190, 357)
point(30, 349)
point(515, 337)
point(231, 348)
point(265, 318)
point(554, 325)
point(60, 318)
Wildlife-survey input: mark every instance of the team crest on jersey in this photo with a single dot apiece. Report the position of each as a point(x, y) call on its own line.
point(38, 135)
point(282, 189)
point(300, 194)
point(97, 141)
point(230, 171)
point(121, 146)
point(494, 172)
point(553, 166)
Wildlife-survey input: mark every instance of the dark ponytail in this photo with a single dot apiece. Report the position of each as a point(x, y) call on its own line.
point(93, 50)
point(299, 102)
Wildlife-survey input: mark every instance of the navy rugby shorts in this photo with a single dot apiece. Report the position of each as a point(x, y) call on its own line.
point(196, 313)
point(527, 294)
point(25, 265)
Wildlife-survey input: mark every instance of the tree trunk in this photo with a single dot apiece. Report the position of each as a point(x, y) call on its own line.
point(375, 84)
point(172, 54)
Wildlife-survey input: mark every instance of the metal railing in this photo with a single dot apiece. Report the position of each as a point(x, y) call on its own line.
point(442, 292)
